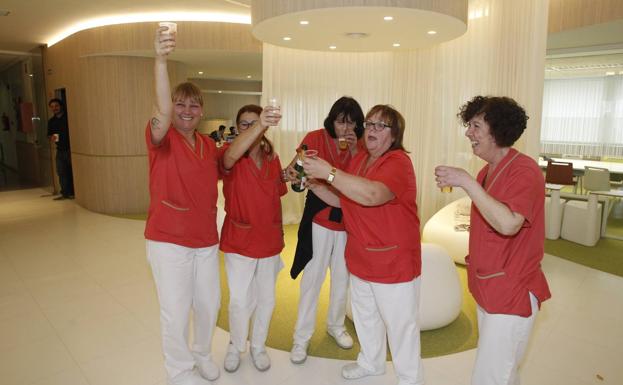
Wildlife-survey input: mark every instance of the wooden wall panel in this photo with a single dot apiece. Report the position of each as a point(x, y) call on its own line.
point(571, 14)
point(110, 99)
point(110, 185)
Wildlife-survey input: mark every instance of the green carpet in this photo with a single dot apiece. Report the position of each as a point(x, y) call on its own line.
point(460, 335)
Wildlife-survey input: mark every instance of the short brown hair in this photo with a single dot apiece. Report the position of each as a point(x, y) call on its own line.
point(267, 146)
point(394, 119)
point(187, 90)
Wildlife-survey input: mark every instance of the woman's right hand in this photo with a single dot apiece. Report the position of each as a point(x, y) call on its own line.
point(164, 42)
point(270, 116)
point(291, 174)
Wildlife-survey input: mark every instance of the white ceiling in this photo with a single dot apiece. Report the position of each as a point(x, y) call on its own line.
point(32, 23)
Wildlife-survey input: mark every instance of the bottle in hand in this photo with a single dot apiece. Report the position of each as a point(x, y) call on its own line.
point(298, 166)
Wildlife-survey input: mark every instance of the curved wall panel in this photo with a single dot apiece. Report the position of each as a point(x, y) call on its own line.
point(109, 87)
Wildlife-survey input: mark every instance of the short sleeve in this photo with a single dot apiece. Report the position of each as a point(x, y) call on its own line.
point(524, 189)
point(396, 173)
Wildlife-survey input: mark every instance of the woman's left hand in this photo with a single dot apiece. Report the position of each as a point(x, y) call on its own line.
point(451, 176)
point(316, 168)
point(270, 116)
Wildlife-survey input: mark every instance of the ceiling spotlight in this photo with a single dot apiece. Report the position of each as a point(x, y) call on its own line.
point(219, 91)
point(332, 47)
point(303, 22)
point(388, 18)
point(287, 38)
point(248, 76)
point(431, 32)
point(356, 35)
point(609, 73)
point(396, 44)
point(200, 72)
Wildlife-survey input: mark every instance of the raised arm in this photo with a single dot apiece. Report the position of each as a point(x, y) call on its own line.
point(361, 190)
point(164, 44)
point(245, 140)
point(496, 213)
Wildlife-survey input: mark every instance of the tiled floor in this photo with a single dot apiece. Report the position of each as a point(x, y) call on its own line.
point(78, 306)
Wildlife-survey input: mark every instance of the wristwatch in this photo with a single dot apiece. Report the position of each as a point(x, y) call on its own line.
point(331, 175)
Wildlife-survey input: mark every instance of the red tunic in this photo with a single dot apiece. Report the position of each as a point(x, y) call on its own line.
point(321, 141)
point(253, 225)
point(182, 190)
point(502, 270)
point(384, 241)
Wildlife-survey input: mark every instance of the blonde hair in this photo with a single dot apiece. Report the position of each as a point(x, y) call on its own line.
point(187, 90)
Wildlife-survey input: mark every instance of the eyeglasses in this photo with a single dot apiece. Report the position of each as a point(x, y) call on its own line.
point(375, 126)
point(244, 124)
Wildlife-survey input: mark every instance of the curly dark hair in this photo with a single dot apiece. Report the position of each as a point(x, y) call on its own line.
point(348, 108)
point(505, 117)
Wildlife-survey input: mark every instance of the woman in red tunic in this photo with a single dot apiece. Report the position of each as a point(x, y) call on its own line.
point(377, 193)
point(182, 239)
point(507, 233)
point(252, 235)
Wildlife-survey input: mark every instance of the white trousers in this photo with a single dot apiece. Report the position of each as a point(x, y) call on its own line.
point(502, 343)
point(329, 248)
point(251, 289)
point(185, 278)
point(388, 313)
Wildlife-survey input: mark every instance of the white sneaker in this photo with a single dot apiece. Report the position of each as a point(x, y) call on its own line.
point(298, 354)
point(189, 377)
point(206, 367)
point(260, 358)
point(232, 359)
point(353, 371)
point(342, 338)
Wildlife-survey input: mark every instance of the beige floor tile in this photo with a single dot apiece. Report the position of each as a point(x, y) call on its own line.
point(138, 364)
point(18, 305)
point(65, 315)
point(22, 330)
point(56, 289)
point(92, 338)
point(71, 376)
point(34, 361)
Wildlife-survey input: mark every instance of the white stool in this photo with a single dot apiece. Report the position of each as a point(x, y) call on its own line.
point(553, 217)
point(581, 222)
point(441, 295)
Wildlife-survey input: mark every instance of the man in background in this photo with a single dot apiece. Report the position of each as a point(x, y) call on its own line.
point(58, 131)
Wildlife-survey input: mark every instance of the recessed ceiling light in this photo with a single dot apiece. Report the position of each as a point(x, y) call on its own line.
point(388, 18)
point(200, 72)
point(332, 47)
point(303, 22)
point(432, 32)
point(356, 35)
point(287, 38)
point(609, 73)
point(248, 76)
point(219, 91)
point(396, 44)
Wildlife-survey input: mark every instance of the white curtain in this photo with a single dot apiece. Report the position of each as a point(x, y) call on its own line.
point(502, 53)
point(583, 116)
